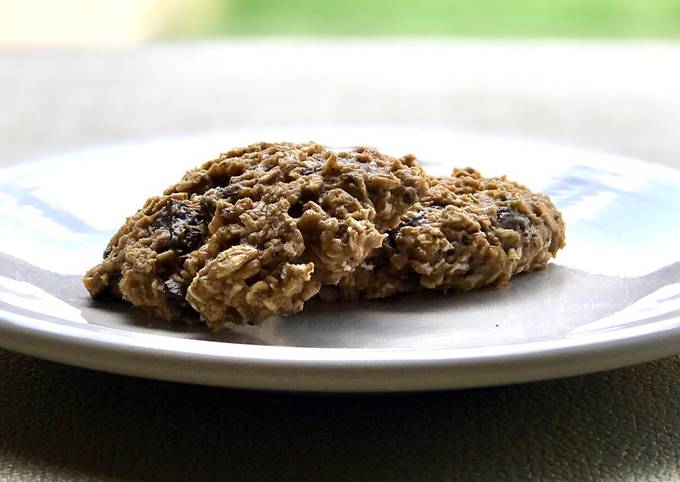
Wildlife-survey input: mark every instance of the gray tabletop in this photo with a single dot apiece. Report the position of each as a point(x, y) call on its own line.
point(65, 423)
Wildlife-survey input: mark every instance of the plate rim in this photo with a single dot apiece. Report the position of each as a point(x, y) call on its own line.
point(333, 375)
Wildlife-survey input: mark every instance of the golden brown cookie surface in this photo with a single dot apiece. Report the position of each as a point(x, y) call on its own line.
point(465, 233)
point(257, 231)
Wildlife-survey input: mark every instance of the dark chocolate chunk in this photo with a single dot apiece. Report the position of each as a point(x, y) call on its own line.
point(410, 196)
point(187, 227)
point(508, 218)
point(175, 293)
point(416, 220)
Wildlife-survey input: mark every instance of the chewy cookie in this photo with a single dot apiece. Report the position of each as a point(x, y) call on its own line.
point(465, 233)
point(257, 231)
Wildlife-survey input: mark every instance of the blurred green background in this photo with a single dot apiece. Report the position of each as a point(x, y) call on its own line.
point(125, 22)
point(485, 18)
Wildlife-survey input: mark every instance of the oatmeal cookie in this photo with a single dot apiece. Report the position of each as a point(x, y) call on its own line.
point(465, 233)
point(257, 231)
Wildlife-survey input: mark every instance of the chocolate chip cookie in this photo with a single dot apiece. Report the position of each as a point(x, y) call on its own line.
point(257, 231)
point(465, 233)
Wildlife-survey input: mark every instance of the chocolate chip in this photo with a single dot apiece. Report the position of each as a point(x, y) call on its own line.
point(414, 221)
point(175, 293)
point(208, 209)
point(409, 196)
point(508, 218)
point(231, 192)
point(390, 241)
point(187, 227)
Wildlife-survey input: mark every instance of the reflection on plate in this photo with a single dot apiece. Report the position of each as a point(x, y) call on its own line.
point(611, 298)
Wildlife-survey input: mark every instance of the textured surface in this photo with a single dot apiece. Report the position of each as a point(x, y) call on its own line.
point(256, 232)
point(63, 423)
point(466, 232)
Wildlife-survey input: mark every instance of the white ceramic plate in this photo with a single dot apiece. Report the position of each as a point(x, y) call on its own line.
point(610, 299)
